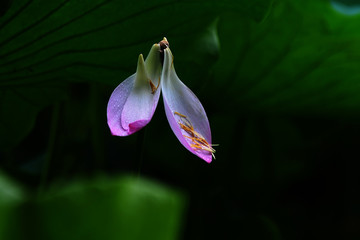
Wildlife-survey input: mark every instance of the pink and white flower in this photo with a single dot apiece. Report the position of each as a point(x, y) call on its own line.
point(133, 103)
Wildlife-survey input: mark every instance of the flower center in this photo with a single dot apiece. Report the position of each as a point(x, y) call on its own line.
point(164, 44)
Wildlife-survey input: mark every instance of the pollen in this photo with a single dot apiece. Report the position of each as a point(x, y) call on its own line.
point(198, 142)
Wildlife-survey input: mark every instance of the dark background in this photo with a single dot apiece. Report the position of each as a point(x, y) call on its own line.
point(279, 81)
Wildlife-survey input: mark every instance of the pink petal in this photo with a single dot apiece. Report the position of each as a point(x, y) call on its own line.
point(133, 103)
point(182, 106)
point(116, 105)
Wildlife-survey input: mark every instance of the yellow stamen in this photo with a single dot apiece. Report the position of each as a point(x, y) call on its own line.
point(179, 114)
point(198, 141)
point(153, 87)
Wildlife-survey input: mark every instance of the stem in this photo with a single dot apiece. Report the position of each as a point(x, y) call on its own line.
point(140, 143)
point(50, 148)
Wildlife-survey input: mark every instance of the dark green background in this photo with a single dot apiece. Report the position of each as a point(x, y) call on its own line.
point(279, 80)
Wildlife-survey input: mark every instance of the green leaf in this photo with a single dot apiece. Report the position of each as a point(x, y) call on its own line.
point(126, 208)
point(11, 197)
point(302, 59)
point(67, 38)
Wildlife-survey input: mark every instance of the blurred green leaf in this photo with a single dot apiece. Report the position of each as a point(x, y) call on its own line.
point(126, 208)
point(11, 196)
point(304, 58)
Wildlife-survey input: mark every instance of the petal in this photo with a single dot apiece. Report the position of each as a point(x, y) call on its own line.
point(133, 102)
point(185, 113)
point(116, 105)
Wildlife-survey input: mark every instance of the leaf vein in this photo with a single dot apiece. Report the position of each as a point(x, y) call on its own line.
point(34, 24)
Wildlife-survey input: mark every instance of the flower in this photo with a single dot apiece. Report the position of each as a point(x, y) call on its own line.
point(133, 103)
